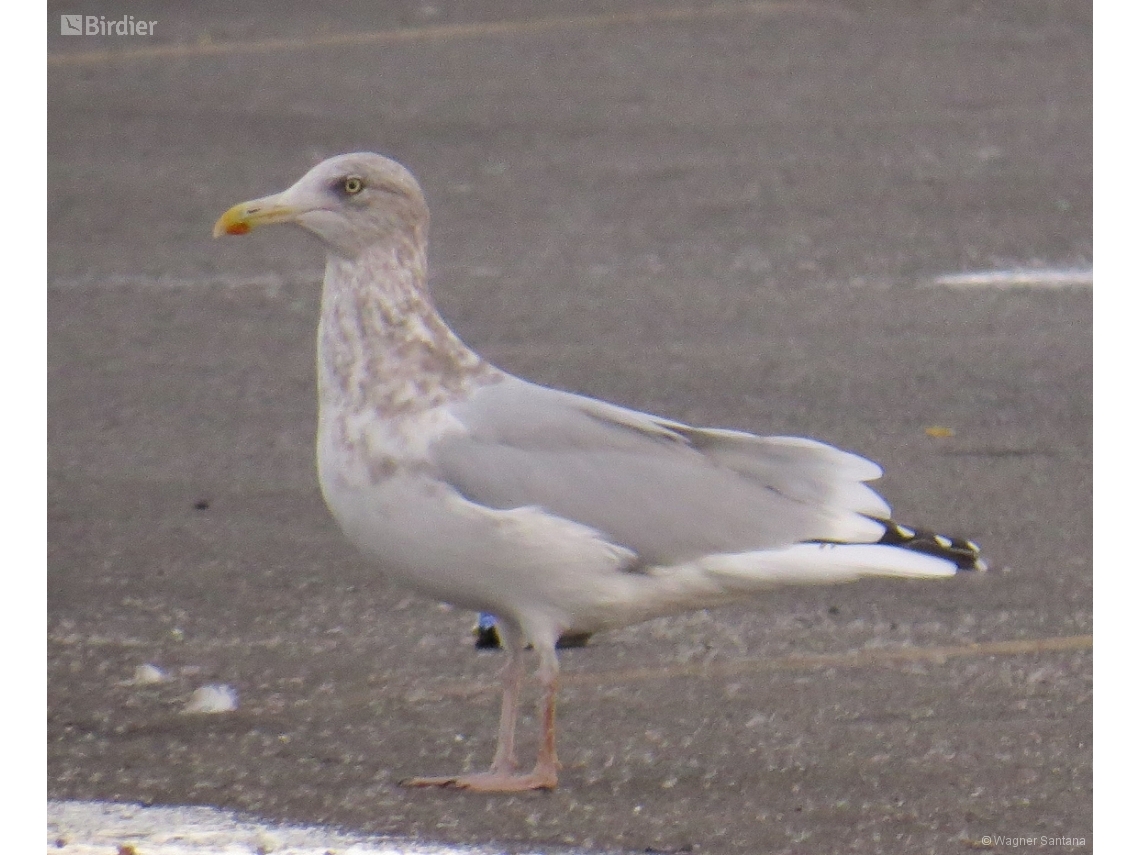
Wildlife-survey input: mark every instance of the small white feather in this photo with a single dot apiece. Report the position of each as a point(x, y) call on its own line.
point(216, 698)
point(147, 675)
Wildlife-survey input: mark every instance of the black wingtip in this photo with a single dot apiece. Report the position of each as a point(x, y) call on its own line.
point(965, 554)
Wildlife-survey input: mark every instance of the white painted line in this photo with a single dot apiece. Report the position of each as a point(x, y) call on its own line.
point(1020, 278)
point(105, 828)
point(1017, 278)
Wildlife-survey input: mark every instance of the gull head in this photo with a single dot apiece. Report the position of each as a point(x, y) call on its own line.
point(351, 202)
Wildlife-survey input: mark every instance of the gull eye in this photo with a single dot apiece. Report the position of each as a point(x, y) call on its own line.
point(352, 185)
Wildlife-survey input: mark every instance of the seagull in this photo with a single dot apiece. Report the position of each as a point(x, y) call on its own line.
point(557, 513)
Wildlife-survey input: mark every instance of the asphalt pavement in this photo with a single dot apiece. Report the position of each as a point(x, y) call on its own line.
point(733, 214)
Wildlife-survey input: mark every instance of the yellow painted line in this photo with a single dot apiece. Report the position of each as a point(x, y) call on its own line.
point(866, 658)
point(444, 32)
point(879, 656)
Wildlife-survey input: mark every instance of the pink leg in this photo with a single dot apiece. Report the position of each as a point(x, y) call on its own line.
point(505, 761)
point(547, 766)
point(503, 777)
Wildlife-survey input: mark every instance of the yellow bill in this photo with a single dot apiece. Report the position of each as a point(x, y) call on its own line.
point(246, 216)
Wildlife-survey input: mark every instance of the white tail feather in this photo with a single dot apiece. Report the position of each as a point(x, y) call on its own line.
point(623, 598)
point(821, 564)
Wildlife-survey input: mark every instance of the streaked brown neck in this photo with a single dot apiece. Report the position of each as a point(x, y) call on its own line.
point(382, 346)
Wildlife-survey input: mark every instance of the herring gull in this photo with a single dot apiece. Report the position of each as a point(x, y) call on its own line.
point(557, 513)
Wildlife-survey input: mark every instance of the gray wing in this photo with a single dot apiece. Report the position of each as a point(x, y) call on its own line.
point(668, 491)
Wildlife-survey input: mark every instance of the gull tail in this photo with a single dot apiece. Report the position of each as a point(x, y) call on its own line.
point(712, 580)
point(820, 564)
point(902, 552)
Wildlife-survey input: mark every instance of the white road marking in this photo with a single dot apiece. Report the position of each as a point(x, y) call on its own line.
point(106, 828)
point(1015, 278)
point(1018, 278)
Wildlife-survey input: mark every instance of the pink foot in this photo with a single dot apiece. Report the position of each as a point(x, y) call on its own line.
point(491, 782)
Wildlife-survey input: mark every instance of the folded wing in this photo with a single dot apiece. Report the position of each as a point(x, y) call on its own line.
point(668, 491)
